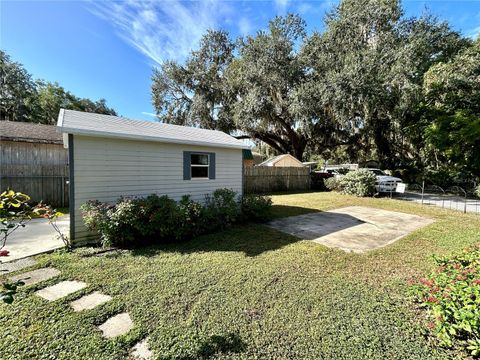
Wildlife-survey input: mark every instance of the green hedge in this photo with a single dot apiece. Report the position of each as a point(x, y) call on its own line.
point(131, 222)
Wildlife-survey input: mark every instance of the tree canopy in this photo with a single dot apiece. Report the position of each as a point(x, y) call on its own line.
point(363, 86)
point(39, 101)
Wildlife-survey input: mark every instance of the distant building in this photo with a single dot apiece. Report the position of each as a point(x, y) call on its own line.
point(285, 160)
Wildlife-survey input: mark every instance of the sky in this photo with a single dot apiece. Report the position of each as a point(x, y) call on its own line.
point(107, 49)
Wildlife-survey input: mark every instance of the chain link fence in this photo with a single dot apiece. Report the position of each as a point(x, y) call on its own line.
point(455, 197)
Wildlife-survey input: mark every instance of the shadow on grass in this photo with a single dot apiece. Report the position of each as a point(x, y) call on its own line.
point(280, 211)
point(218, 344)
point(251, 239)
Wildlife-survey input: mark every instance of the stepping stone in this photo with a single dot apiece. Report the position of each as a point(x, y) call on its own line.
point(36, 276)
point(141, 351)
point(117, 325)
point(16, 265)
point(90, 301)
point(60, 290)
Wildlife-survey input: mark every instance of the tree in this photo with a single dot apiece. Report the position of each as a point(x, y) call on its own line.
point(452, 111)
point(368, 68)
point(17, 90)
point(23, 99)
point(51, 97)
point(353, 89)
point(267, 81)
point(194, 93)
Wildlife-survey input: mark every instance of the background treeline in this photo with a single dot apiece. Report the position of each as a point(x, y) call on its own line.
point(38, 101)
point(373, 85)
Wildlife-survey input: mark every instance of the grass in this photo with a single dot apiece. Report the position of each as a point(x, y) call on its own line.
point(248, 292)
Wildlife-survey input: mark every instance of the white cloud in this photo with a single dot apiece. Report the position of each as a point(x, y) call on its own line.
point(281, 5)
point(149, 114)
point(161, 30)
point(473, 33)
point(244, 26)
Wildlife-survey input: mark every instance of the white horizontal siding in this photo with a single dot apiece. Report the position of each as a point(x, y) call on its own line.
point(106, 169)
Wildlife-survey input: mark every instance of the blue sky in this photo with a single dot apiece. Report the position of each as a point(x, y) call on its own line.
point(101, 49)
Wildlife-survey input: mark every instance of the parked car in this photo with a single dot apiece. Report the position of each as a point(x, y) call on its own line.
point(384, 183)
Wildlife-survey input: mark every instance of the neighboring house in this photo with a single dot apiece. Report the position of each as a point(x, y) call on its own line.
point(33, 161)
point(247, 158)
point(112, 157)
point(285, 160)
point(251, 158)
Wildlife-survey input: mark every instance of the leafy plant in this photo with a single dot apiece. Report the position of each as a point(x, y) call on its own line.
point(221, 208)
point(256, 207)
point(52, 215)
point(333, 184)
point(160, 218)
point(359, 183)
point(9, 290)
point(15, 212)
point(477, 191)
point(451, 296)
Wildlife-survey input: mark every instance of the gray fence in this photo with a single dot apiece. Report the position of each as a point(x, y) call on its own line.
point(36, 169)
point(453, 197)
point(265, 179)
point(52, 190)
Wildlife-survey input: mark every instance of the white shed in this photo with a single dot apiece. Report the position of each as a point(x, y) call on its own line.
point(110, 157)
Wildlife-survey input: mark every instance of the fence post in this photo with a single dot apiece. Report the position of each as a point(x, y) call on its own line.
point(423, 189)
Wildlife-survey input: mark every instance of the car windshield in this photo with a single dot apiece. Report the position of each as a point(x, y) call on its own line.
point(377, 172)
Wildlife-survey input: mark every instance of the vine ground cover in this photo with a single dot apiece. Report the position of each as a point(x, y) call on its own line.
point(247, 292)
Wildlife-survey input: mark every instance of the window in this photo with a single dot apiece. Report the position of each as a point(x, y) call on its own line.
point(199, 164)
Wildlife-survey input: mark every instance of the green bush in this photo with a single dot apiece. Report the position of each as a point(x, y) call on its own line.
point(256, 207)
point(359, 183)
point(136, 221)
point(190, 218)
point(221, 209)
point(477, 191)
point(333, 184)
point(451, 296)
point(97, 217)
point(159, 217)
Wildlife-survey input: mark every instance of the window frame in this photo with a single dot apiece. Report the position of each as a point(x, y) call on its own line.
point(198, 165)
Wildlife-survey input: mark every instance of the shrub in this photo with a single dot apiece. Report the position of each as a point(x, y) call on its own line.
point(359, 183)
point(451, 296)
point(256, 207)
point(190, 218)
point(97, 217)
point(333, 184)
point(160, 218)
point(477, 191)
point(221, 209)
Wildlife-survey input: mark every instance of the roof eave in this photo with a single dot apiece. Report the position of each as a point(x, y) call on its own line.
point(94, 133)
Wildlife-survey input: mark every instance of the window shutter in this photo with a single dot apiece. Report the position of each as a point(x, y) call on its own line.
point(211, 167)
point(186, 165)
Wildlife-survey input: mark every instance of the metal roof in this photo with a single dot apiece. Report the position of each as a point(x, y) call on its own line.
point(108, 126)
point(29, 132)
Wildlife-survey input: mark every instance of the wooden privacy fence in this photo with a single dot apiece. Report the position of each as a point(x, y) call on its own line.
point(38, 170)
point(265, 179)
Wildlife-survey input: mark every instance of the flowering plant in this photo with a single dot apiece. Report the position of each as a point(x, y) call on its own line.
point(451, 296)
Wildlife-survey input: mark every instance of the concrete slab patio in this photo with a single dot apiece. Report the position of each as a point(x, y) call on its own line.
point(35, 238)
point(353, 228)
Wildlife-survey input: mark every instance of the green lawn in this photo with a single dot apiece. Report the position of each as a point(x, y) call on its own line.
point(248, 292)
